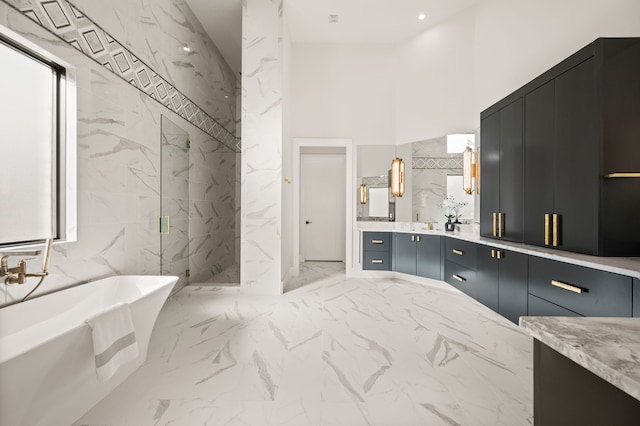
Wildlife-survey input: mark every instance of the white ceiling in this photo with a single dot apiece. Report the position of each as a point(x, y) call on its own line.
point(361, 21)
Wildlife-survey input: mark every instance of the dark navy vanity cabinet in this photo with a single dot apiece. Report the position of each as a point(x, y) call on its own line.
point(417, 254)
point(376, 251)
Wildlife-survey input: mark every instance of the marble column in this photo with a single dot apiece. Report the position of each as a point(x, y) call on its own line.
point(261, 174)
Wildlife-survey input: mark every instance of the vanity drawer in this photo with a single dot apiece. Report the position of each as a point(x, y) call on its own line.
point(541, 308)
point(376, 260)
point(460, 277)
point(462, 252)
point(376, 241)
point(586, 291)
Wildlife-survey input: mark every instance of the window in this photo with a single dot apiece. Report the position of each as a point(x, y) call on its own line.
point(34, 146)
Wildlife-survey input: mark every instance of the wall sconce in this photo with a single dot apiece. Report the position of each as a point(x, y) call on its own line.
point(397, 177)
point(363, 194)
point(469, 171)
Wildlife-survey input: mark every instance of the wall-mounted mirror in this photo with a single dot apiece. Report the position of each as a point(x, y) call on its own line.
point(433, 171)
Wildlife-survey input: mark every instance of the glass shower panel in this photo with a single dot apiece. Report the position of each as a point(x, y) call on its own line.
point(174, 201)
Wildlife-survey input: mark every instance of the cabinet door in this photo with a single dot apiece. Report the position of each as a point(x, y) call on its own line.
point(487, 278)
point(428, 256)
point(404, 248)
point(538, 162)
point(489, 172)
point(512, 301)
point(511, 171)
point(576, 168)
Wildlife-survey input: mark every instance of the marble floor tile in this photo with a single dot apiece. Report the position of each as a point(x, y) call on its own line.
point(330, 351)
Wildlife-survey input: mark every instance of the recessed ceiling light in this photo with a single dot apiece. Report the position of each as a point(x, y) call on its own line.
point(226, 96)
point(186, 49)
point(422, 16)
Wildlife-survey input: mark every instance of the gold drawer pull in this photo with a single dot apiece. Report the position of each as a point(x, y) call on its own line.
point(376, 261)
point(566, 286)
point(459, 278)
point(458, 252)
point(377, 242)
point(622, 175)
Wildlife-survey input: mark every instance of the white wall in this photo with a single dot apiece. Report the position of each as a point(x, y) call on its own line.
point(434, 81)
point(515, 41)
point(343, 91)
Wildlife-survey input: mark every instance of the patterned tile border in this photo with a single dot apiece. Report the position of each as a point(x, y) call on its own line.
point(376, 180)
point(66, 21)
point(437, 162)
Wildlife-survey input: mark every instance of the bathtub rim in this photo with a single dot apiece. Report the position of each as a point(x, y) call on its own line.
point(9, 355)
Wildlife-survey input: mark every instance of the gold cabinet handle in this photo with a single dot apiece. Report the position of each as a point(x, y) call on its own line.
point(500, 224)
point(556, 230)
point(493, 253)
point(546, 229)
point(499, 254)
point(377, 242)
point(568, 287)
point(413, 238)
point(418, 238)
point(376, 261)
point(495, 230)
point(458, 252)
point(458, 277)
point(622, 175)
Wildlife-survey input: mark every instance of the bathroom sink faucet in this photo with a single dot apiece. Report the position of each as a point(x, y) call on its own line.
point(18, 274)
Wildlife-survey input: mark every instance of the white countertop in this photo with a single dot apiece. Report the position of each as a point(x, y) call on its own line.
point(629, 266)
point(608, 347)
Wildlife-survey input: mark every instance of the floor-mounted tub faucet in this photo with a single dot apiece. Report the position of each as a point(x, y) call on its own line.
point(18, 274)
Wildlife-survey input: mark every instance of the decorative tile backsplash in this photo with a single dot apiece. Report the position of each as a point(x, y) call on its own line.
point(438, 162)
point(70, 24)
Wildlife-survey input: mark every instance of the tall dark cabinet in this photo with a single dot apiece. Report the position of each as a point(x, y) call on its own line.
point(501, 169)
point(580, 173)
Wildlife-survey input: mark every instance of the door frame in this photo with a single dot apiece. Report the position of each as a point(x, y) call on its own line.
point(347, 144)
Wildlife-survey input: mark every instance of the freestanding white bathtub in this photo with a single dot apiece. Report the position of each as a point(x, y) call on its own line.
point(47, 370)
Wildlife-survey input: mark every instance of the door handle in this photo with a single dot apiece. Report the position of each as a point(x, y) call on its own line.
point(307, 222)
point(546, 229)
point(495, 231)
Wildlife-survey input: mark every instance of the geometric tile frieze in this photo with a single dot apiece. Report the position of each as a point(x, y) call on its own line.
point(437, 163)
point(70, 24)
point(375, 180)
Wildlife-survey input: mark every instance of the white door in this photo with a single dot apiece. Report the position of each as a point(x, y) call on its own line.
point(322, 208)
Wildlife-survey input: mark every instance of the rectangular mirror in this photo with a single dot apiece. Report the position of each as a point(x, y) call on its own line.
point(433, 171)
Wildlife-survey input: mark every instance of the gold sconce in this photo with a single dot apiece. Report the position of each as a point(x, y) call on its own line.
point(469, 171)
point(397, 177)
point(363, 194)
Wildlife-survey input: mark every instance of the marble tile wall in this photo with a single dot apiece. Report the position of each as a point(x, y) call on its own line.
point(118, 131)
point(431, 165)
point(212, 209)
point(261, 251)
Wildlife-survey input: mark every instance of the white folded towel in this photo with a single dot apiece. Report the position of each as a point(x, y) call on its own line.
point(114, 339)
